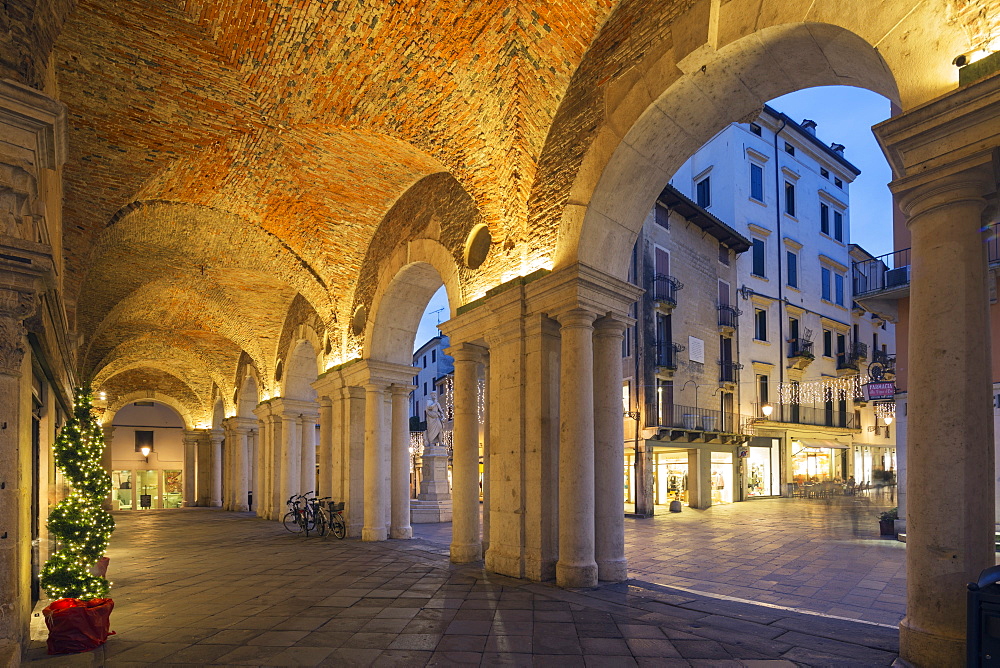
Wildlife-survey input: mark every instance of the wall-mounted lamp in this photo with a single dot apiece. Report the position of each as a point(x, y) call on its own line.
point(145, 450)
point(767, 409)
point(888, 420)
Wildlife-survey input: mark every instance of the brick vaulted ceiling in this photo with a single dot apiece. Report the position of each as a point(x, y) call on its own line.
point(224, 156)
point(230, 162)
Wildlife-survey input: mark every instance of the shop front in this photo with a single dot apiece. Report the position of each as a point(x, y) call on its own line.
point(763, 467)
point(874, 465)
point(818, 460)
point(146, 489)
point(672, 473)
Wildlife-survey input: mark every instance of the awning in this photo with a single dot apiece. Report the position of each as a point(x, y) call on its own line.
point(820, 443)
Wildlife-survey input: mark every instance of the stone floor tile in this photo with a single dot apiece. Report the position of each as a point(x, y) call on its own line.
point(150, 652)
point(605, 646)
point(278, 638)
point(455, 659)
point(506, 659)
point(700, 649)
point(416, 641)
point(345, 657)
point(469, 627)
point(508, 644)
point(384, 625)
point(363, 640)
point(402, 657)
point(325, 639)
point(542, 644)
point(299, 656)
point(461, 643)
point(512, 628)
point(652, 647)
point(609, 661)
point(640, 631)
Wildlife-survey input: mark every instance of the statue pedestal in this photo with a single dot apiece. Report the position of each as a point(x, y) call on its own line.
point(433, 503)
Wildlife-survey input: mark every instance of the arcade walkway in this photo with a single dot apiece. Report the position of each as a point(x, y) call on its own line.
point(200, 586)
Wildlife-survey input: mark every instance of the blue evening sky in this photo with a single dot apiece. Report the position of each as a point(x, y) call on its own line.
point(843, 114)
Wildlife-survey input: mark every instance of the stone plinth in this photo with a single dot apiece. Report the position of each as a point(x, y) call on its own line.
point(433, 503)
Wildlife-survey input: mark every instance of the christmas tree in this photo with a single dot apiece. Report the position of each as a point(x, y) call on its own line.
point(82, 526)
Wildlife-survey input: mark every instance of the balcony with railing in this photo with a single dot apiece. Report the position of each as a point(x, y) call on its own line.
point(800, 352)
point(728, 318)
point(889, 275)
point(665, 355)
point(689, 418)
point(808, 415)
point(664, 289)
point(729, 372)
point(848, 363)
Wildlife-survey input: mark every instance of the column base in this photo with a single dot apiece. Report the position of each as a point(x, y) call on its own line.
point(373, 534)
point(928, 650)
point(576, 575)
point(612, 570)
point(241, 508)
point(505, 564)
point(402, 533)
point(463, 554)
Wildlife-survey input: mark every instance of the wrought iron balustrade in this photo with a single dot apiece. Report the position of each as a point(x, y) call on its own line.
point(728, 315)
point(664, 289)
point(810, 415)
point(729, 372)
point(800, 348)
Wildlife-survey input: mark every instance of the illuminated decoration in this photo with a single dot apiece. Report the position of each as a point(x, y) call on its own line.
point(81, 526)
point(886, 411)
point(820, 391)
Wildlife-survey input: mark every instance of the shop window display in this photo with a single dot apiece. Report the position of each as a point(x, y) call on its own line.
point(123, 490)
point(173, 489)
point(762, 471)
point(671, 479)
point(722, 477)
point(148, 490)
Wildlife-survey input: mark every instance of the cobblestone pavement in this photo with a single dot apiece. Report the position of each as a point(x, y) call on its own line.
point(202, 586)
point(814, 554)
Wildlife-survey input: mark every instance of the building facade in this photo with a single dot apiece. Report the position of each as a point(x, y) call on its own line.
point(804, 343)
point(432, 365)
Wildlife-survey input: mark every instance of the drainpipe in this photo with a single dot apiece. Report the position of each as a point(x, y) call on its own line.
point(781, 281)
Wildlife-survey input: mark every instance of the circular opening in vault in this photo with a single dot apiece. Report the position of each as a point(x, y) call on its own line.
point(358, 320)
point(477, 246)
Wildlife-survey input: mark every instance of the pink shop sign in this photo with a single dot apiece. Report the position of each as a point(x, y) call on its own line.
point(883, 390)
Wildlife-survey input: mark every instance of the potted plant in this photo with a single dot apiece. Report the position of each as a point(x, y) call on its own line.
point(887, 522)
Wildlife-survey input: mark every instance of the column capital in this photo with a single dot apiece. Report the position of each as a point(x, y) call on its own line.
point(968, 187)
point(466, 352)
point(612, 326)
point(15, 306)
point(400, 389)
point(576, 318)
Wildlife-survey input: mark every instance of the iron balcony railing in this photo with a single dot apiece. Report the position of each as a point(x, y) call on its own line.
point(892, 270)
point(800, 348)
point(728, 316)
point(846, 360)
point(859, 350)
point(665, 355)
point(664, 289)
point(799, 414)
point(729, 372)
point(698, 419)
point(884, 358)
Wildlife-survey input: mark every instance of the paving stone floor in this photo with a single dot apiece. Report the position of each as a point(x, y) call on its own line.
point(202, 586)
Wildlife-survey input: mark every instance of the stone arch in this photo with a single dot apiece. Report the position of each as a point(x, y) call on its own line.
point(186, 413)
point(663, 113)
point(248, 396)
point(414, 273)
point(302, 366)
point(429, 223)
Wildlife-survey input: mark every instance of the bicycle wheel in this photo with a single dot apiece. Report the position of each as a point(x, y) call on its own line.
point(321, 522)
point(306, 520)
point(291, 522)
point(337, 527)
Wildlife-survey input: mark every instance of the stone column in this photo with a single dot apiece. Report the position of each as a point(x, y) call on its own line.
point(203, 469)
point(609, 452)
point(484, 429)
point(253, 445)
point(290, 458)
point(216, 437)
point(949, 536)
point(699, 478)
point(376, 497)
point(326, 474)
point(190, 482)
point(466, 535)
point(107, 462)
point(15, 306)
point(240, 457)
point(399, 525)
point(576, 566)
point(307, 478)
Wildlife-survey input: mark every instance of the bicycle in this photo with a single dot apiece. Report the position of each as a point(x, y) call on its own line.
point(337, 525)
point(294, 519)
point(315, 515)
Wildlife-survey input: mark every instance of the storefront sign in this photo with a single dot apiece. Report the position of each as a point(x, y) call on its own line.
point(883, 390)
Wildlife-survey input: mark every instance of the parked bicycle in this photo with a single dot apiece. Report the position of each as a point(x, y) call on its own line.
point(316, 516)
point(294, 520)
point(338, 527)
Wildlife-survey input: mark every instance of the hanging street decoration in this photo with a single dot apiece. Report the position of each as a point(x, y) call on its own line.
point(82, 527)
point(820, 391)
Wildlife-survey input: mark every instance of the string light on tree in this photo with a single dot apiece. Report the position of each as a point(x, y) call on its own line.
point(81, 526)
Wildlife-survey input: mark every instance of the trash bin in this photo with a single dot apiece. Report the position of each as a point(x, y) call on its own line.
point(983, 621)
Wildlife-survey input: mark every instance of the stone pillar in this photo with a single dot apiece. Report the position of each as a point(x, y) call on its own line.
point(15, 306)
point(203, 469)
point(699, 478)
point(949, 392)
point(307, 479)
point(466, 536)
point(484, 430)
point(190, 456)
point(261, 498)
point(253, 444)
point(609, 452)
point(107, 463)
point(290, 460)
point(399, 526)
point(240, 449)
point(216, 437)
point(326, 473)
point(576, 566)
point(376, 497)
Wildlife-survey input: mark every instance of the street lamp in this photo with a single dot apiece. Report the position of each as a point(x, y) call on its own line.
point(888, 420)
point(767, 409)
point(145, 450)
